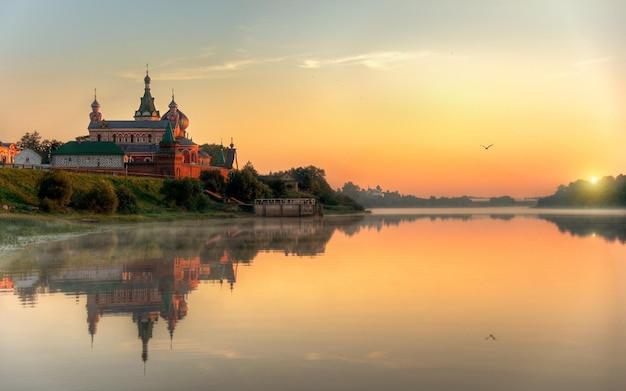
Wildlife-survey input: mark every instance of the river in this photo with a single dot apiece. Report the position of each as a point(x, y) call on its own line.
point(398, 299)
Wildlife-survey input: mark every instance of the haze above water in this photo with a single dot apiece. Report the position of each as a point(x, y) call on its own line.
point(468, 299)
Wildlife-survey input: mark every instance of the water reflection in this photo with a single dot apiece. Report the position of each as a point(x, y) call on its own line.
point(174, 258)
point(147, 272)
point(374, 299)
point(609, 227)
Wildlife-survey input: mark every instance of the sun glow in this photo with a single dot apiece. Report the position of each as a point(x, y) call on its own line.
point(594, 179)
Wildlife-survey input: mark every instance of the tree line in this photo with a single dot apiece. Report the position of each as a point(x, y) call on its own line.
point(34, 142)
point(57, 192)
point(608, 192)
point(379, 198)
point(247, 185)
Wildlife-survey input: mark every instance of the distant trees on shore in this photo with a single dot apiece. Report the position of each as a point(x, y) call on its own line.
point(379, 198)
point(608, 192)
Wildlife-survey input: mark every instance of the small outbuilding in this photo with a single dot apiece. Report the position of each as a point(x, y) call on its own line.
point(90, 155)
point(27, 156)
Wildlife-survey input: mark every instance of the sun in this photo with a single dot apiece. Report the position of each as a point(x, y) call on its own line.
point(594, 179)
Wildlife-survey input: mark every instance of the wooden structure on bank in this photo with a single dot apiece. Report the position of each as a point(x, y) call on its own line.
point(287, 207)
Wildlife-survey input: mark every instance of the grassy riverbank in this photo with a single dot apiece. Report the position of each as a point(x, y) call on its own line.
point(19, 188)
point(23, 222)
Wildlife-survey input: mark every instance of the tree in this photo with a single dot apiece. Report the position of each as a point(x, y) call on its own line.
point(213, 181)
point(278, 188)
point(251, 168)
point(127, 201)
point(213, 150)
point(182, 192)
point(55, 190)
point(30, 141)
point(46, 149)
point(351, 190)
point(245, 185)
point(312, 180)
point(102, 198)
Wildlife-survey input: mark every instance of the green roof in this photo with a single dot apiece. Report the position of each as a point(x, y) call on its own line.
point(89, 148)
point(220, 157)
point(168, 136)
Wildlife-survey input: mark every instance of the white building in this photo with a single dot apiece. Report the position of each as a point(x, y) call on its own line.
point(27, 156)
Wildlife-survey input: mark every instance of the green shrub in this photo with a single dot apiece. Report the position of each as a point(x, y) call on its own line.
point(201, 203)
point(213, 181)
point(81, 199)
point(102, 198)
point(181, 192)
point(55, 190)
point(127, 201)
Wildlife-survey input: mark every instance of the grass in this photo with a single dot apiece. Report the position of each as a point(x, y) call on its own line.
point(19, 187)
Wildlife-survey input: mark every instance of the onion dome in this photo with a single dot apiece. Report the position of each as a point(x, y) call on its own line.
point(95, 115)
point(176, 116)
point(95, 105)
point(173, 104)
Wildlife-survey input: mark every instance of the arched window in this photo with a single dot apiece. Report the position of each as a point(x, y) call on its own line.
point(150, 138)
point(114, 138)
point(132, 138)
point(99, 138)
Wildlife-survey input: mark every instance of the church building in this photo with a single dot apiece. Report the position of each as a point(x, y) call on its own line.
point(155, 144)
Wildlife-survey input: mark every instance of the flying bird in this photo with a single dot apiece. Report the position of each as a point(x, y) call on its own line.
point(490, 336)
point(487, 147)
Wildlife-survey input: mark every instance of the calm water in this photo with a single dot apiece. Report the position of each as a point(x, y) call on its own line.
point(500, 299)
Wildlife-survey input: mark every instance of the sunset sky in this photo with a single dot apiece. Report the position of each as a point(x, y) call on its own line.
point(394, 93)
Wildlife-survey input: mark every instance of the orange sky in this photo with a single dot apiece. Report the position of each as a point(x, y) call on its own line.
point(395, 93)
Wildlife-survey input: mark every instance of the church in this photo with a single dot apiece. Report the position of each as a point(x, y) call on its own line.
point(151, 145)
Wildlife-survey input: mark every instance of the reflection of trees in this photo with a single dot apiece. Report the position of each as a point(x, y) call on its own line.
point(148, 270)
point(298, 237)
point(218, 246)
point(610, 227)
point(378, 222)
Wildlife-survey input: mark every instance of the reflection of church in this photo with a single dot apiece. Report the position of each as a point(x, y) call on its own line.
point(157, 288)
point(150, 290)
point(146, 290)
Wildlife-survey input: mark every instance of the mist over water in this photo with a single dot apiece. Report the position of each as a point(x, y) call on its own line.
point(472, 299)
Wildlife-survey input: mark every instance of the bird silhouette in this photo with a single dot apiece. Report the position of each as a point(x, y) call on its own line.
point(491, 337)
point(487, 147)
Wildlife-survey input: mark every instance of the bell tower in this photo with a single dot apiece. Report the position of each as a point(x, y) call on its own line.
point(147, 111)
